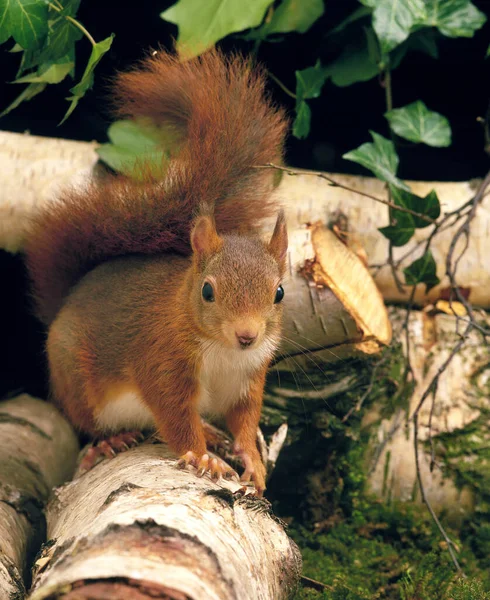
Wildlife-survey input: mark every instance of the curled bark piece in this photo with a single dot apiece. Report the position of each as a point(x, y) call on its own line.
point(314, 198)
point(137, 527)
point(38, 451)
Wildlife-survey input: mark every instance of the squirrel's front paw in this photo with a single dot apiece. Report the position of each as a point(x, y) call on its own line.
point(207, 463)
point(254, 469)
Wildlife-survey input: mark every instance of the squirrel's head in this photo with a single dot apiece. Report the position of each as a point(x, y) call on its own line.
point(237, 285)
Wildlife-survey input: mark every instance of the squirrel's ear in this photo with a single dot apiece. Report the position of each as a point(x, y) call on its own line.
point(205, 240)
point(278, 246)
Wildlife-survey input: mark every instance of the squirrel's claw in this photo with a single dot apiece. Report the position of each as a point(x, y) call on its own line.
point(207, 463)
point(110, 447)
point(254, 471)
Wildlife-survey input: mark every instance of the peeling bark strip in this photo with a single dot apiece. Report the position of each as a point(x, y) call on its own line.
point(38, 451)
point(138, 527)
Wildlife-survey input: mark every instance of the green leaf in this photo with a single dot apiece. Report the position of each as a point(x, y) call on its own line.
point(61, 38)
point(393, 20)
point(133, 144)
point(33, 89)
point(301, 125)
point(292, 15)
point(429, 205)
point(422, 270)
point(401, 232)
point(309, 81)
point(356, 63)
point(380, 157)
point(4, 20)
point(359, 13)
point(415, 122)
point(202, 24)
point(50, 72)
point(424, 41)
point(454, 18)
point(87, 79)
point(25, 20)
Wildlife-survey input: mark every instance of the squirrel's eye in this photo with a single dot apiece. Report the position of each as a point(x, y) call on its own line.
point(208, 292)
point(279, 294)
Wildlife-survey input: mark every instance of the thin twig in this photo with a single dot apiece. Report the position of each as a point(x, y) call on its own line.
point(358, 405)
point(451, 269)
point(449, 542)
point(308, 582)
point(321, 175)
point(282, 86)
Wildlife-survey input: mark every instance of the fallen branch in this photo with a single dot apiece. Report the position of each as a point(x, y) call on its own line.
point(139, 527)
point(38, 451)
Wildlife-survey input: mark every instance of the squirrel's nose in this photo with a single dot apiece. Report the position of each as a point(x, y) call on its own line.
point(246, 338)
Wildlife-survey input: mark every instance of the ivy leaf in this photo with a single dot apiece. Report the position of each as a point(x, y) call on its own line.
point(61, 38)
point(454, 18)
point(424, 41)
point(309, 83)
point(292, 15)
point(422, 270)
point(4, 21)
point(359, 13)
point(132, 144)
point(401, 232)
point(380, 158)
point(429, 205)
point(25, 20)
point(33, 89)
point(415, 122)
point(393, 20)
point(202, 24)
point(357, 62)
point(50, 72)
point(86, 82)
point(301, 125)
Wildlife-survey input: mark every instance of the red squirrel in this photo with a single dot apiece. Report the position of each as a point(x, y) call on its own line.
point(162, 301)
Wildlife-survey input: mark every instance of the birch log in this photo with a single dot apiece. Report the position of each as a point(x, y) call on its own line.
point(331, 300)
point(38, 450)
point(462, 399)
point(136, 527)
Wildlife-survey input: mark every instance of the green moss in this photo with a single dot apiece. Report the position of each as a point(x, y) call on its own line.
point(361, 548)
point(391, 552)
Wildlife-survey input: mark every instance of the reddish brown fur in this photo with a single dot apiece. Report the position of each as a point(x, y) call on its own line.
point(139, 323)
point(218, 107)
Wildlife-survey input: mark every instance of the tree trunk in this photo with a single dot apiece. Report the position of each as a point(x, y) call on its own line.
point(136, 527)
point(461, 406)
point(38, 451)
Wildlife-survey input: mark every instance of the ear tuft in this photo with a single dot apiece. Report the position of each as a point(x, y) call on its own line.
point(278, 246)
point(205, 240)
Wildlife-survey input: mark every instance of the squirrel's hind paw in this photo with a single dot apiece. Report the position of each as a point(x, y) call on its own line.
point(207, 463)
point(110, 447)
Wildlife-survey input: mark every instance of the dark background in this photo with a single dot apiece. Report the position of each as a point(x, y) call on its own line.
point(456, 85)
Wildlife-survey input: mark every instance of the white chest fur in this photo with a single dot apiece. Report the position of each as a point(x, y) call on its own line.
point(225, 376)
point(126, 411)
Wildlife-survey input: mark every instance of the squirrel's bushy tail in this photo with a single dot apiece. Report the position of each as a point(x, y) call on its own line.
point(226, 126)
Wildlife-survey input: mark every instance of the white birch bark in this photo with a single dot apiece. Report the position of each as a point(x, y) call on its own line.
point(38, 451)
point(462, 396)
point(138, 526)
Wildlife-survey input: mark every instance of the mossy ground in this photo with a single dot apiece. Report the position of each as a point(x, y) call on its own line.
point(359, 547)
